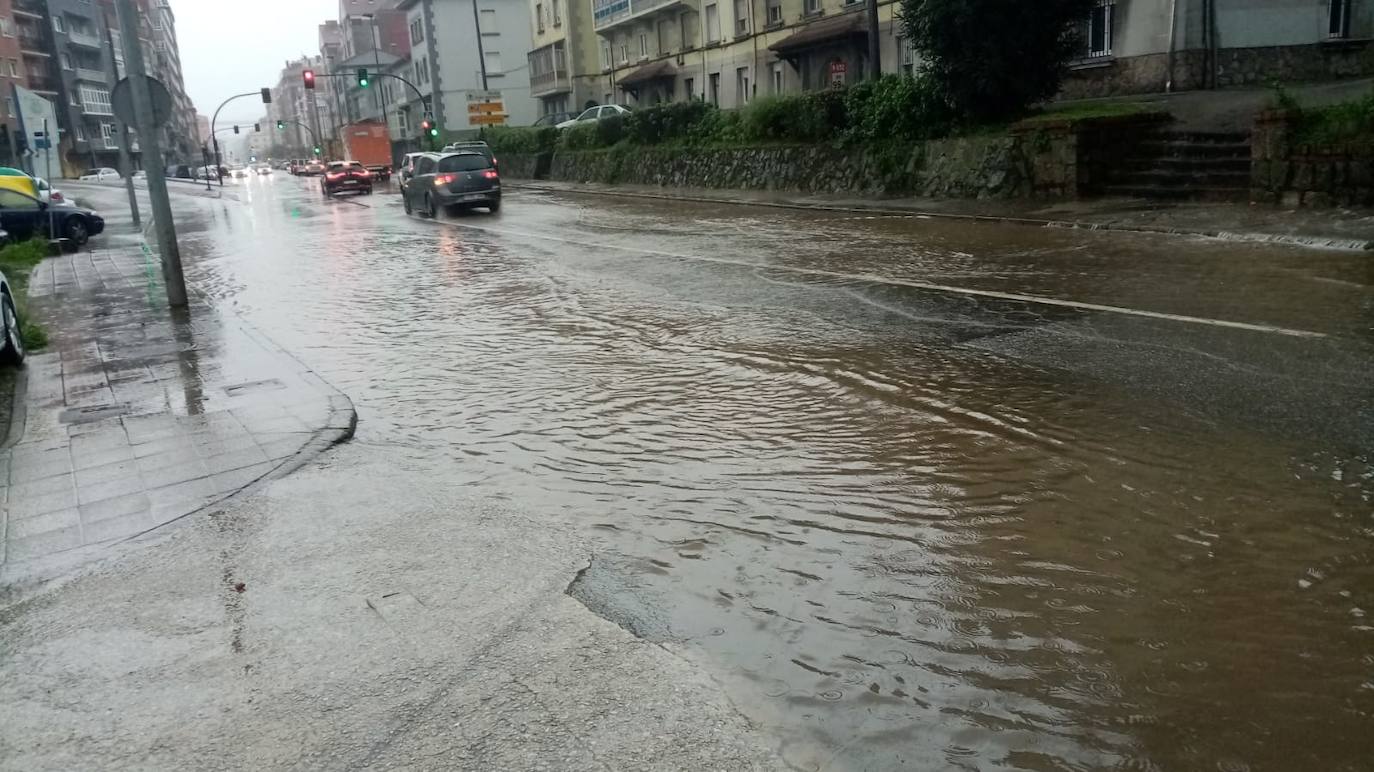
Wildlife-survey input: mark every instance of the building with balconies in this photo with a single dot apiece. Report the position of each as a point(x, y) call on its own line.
point(179, 140)
point(563, 65)
point(81, 60)
point(12, 73)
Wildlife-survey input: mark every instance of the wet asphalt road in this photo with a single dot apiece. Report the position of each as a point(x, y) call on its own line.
point(906, 515)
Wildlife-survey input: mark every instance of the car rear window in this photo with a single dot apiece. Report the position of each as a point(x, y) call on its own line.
point(466, 162)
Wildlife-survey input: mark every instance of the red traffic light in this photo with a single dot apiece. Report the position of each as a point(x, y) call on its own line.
point(309, 77)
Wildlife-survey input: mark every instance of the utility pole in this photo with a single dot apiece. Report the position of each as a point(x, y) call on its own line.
point(481, 54)
point(874, 50)
point(152, 154)
point(126, 164)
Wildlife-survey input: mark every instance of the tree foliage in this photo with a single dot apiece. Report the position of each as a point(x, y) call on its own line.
point(992, 59)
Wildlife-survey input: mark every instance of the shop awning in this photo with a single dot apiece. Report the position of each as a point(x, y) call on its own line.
point(849, 25)
point(655, 71)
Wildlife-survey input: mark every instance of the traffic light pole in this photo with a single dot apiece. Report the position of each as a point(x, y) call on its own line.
point(215, 139)
point(314, 138)
point(151, 145)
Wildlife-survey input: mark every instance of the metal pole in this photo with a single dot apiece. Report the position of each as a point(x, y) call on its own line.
point(481, 54)
point(126, 160)
point(874, 49)
point(205, 161)
point(152, 154)
point(377, 59)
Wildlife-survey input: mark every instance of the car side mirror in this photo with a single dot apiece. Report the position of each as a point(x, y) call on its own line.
point(42, 205)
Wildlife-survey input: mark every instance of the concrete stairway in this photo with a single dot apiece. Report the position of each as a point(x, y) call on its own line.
point(1175, 165)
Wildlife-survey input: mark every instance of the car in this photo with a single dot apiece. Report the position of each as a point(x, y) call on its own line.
point(297, 165)
point(180, 172)
point(553, 119)
point(204, 173)
point(594, 114)
point(50, 195)
point(140, 175)
point(407, 168)
point(264, 169)
point(100, 175)
point(238, 172)
point(312, 169)
point(12, 345)
point(475, 146)
point(346, 175)
point(453, 181)
point(25, 216)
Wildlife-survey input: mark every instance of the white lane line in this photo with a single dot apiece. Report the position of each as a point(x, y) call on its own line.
point(921, 285)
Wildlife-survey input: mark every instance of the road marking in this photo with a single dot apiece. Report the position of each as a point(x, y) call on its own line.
point(921, 285)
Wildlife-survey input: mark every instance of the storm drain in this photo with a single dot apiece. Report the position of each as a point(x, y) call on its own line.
point(239, 389)
point(92, 413)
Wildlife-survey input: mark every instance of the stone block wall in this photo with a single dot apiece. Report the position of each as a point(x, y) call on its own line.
point(1285, 172)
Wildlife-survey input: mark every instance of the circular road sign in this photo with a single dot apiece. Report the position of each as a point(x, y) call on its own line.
point(122, 100)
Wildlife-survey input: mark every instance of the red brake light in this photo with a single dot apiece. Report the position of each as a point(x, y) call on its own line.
point(490, 174)
point(335, 175)
point(444, 179)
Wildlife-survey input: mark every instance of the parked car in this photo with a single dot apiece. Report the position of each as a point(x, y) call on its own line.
point(25, 216)
point(100, 175)
point(12, 345)
point(474, 146)
point(407, 168)
point(346, 175)
point(594, 114)
point(452, 181)
point(553, 119)
point(50, 195)
point(140, 176)
point(180, 172)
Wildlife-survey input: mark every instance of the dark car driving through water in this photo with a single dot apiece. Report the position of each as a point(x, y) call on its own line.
point(452, 181)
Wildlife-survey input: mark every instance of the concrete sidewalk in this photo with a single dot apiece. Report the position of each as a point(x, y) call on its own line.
point(136, 416)
point(1326, 228)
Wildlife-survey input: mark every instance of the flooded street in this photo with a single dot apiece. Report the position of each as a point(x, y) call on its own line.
point(906, 513)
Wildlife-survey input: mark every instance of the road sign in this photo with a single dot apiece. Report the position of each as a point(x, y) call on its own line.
point(485, 119)
point(122, 100)
point(486, 108)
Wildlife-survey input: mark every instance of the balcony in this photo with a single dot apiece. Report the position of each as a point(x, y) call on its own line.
point(32, 9)
point(43, 85)
point(91, 76)
point(609, 14)
point(33, 45)
point(549, 71)
point(84, 39)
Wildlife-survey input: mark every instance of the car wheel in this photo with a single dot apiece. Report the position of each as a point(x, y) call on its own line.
point(430, 209)
point(12, 351)
point(75, 230)
point(494, 206)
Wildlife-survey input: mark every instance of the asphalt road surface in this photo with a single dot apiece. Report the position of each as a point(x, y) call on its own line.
point(917, 492)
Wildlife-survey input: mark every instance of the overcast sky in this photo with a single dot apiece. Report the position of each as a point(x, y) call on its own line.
point(234, 46)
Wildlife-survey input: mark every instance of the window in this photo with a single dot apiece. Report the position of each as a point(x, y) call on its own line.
point(742, 86)
point(605, 55)
point(741, 17)
point(1339, 26)
point(539, 17)
point(6, 26)
point(493, 60)
point(624, 53)
point(689, 86)
point(643, 46)
point(1100, 28)
point(9, 105)
point(464, 162)
point(80, 133)
point(712, 23)
point(775, 73)
point(14, 68)
point(96, 100)
point(57, 24)
point(774, 12)
point(107, 133)
point(811, 7)
point(417, 31)
point(13, 199)
point(852, 2)
point(715, 88)
point(688, 24)
point(66, 61)
point(557, 14)
point(488, 22)
point(906, 57)
point(664, 31)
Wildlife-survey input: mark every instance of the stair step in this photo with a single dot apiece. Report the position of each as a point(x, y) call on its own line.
point(1186, 165)
point(1159, 148)
point(1170, 178)
point(1178, 194)
point(1206, 137)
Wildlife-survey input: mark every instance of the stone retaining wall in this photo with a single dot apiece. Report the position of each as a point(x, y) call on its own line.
point(1285, 172)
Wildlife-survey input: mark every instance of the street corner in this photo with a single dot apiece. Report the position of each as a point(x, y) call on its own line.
point(139, 415)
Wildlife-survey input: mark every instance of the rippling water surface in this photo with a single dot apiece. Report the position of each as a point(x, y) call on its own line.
point(904, 528)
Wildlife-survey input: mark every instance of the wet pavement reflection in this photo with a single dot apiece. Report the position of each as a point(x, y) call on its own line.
point(904, 527)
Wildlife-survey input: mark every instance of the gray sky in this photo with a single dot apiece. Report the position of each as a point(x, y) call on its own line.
point(234, 46)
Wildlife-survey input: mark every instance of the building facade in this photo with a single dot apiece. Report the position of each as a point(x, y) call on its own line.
point(452, 62)
point(563, 66)
point(1142, 46)
point(164, 63)
point(12, 73)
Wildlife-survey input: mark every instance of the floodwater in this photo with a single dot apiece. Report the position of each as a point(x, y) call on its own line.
point(904, 525)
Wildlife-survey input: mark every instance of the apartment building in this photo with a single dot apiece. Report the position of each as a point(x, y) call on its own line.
point(12, 73)
point(293, 106)
point(1140, 46)
point(729, 52)
point(451, 61)
point(164, 63)
point(331, 90)
point(563, 66)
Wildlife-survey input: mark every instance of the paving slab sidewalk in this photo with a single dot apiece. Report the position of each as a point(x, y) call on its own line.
point(1328, 228)
point(137, 415)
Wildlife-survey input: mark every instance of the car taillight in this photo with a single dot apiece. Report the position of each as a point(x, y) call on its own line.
point(490, 174)
point(57, 197)
point(444, 179)
point(335, 175)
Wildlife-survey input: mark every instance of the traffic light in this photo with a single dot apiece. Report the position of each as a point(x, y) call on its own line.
point(317, 150)
point(309, 77)
point(281, 125)
point(267, 96)
point(257, 127)
point(236, 128)
point(362, 77)
point(430, 130)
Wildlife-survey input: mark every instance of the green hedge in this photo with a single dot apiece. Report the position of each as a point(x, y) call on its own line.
point(525, 139)
point(17, 261)
point(891, 108)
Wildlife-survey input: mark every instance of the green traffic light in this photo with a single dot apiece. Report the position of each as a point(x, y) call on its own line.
point(317, 150)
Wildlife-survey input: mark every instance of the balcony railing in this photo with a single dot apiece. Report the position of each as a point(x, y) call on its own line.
point(612, 13)
point(549, 70)
point(91, 76)
point(28, 7)
point(47, 85)
point(33, 44)
point(85, 39)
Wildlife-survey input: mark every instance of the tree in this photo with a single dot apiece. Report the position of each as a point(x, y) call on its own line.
point(992, 59)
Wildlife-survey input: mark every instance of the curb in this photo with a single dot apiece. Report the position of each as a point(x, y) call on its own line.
point(1223, 235)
